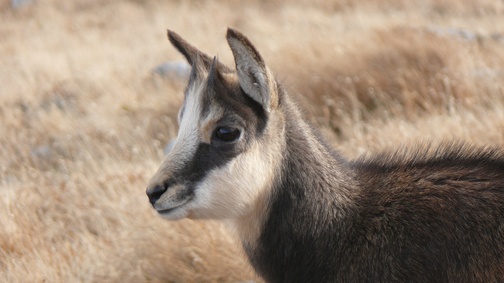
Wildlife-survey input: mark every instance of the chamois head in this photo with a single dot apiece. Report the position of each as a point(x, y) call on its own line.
point(226, 152)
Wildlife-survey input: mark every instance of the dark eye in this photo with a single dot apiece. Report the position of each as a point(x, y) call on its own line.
point(226, 134)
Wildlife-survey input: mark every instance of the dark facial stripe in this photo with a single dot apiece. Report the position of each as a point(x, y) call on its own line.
point(206, 158)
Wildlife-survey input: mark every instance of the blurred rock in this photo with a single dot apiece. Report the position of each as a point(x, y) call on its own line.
point(43, 152)
point(16, 4)
point(169, 147)
point(65, 103)
point(173, 69)
point(455, 32)
point(62, 96)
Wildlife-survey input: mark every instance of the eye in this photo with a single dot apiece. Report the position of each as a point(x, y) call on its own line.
point(226, 134)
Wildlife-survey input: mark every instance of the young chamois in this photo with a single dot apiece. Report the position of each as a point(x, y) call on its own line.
point(244, 154)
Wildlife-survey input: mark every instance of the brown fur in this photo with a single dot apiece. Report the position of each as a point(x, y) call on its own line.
point(426, 214)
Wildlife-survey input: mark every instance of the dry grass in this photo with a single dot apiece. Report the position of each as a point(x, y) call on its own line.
point(84, 120)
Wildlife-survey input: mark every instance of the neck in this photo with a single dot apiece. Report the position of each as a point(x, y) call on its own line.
point(316, 167)
point(308, 201)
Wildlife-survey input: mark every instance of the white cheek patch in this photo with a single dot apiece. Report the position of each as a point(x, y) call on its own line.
point(231, 191)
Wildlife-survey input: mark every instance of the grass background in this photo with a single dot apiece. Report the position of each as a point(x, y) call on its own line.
point(84, 119)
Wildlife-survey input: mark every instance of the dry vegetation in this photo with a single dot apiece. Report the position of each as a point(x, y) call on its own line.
point(84, 119)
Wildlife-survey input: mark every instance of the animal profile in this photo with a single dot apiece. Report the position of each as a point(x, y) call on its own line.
point(244, 154)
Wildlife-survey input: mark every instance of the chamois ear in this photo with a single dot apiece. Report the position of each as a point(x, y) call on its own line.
point(191, 53)
point(255, 78)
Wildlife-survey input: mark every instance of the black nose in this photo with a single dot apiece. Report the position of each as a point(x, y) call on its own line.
point(155, 193)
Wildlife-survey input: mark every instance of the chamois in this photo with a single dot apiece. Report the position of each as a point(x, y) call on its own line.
point(244, 154)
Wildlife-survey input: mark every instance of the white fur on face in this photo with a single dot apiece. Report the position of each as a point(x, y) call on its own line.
point(183, 151)
point(188, 139)
point(231, 191)
point(228, 192)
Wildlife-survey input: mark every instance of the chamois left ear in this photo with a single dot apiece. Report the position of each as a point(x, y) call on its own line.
point(194, 56)
point(255, 78)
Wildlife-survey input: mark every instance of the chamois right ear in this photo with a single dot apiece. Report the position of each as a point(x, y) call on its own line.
point(191, 53)
point(255, 78)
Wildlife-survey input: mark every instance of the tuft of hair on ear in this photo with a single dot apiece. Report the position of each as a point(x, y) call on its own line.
point(255, 78)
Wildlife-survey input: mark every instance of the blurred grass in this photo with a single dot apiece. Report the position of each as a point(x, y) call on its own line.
point(84, 119)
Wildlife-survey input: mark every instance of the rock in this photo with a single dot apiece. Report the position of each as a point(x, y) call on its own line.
point(16, 4)
point(454, 32)
point(62, 101)
point(42, 152)
point(173, 69)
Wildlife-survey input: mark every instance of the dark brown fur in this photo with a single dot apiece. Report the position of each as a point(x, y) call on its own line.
point(423, 215)
point(427, 214)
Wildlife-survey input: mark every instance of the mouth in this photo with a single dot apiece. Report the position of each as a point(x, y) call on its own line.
point(173, 208)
